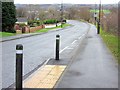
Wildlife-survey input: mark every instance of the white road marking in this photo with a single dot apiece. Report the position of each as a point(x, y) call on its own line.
point(74, 41)
point(81, 36)
point(67, 47)
point(46, 61)
point(70, 48)
point(63, 49)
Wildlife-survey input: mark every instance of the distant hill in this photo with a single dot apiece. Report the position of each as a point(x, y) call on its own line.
point(45, 6)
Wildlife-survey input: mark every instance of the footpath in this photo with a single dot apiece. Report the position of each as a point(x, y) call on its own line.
point(94, 66)
point(86, 64)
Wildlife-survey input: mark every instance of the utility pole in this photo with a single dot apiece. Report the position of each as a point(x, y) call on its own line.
point(98, 32)
point(61, 14)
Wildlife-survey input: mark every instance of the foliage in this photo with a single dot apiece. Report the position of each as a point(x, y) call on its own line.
point(109, 22)
point(8, 16)
point(22, 24)
point(50, 21)
point(34, 23)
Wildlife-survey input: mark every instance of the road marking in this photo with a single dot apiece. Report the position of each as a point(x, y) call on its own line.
point(46, 61)
point(46, 77)
point(63, 49)
point(81, 36)
point(74, 41)
point(70, 48)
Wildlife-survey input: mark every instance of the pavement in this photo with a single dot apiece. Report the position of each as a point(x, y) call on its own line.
point(87, 63)
point(93, 67)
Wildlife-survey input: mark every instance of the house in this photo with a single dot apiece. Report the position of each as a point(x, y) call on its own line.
point(21, 20)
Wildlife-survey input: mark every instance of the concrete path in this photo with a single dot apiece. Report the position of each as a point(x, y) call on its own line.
point(94, 66)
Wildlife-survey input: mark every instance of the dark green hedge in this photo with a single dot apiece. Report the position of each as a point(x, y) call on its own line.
point(34, 23)
point(50, 21)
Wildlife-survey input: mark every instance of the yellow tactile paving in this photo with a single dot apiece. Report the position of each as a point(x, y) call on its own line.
point(46, 77)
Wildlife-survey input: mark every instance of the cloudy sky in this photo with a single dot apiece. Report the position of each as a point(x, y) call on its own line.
point(64, 1)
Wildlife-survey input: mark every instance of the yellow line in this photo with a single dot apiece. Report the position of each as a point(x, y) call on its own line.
point(46, 77)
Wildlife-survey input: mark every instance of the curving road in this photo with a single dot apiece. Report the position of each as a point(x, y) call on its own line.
point(37, 49)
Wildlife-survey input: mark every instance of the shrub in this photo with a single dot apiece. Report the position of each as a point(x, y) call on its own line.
point(22, 24)
point(33, 23)
point(50, 21)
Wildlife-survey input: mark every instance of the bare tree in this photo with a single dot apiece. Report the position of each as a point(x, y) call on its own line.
point(110, 21)
point(85, 13)
point(72, 12)
point(21, 12)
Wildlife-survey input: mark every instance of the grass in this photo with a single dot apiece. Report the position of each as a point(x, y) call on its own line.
point(112, 43)
point(6, 34)
point(105, 11)
point(47, 29)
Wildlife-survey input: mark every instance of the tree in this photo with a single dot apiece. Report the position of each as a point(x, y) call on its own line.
point(72, 12)
point(85, 13)
point(42, 14)
point(8, 16)
point(21, 12)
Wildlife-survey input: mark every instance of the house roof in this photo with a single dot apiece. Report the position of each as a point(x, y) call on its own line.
point(21, 19)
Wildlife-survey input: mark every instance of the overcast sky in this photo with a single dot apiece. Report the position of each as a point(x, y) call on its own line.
point(65, 1)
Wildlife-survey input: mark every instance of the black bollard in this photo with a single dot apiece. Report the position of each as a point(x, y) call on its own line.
point(19, 66)
point(57, 46)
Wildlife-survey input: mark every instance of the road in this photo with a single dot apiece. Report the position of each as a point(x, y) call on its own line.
point(37, 49)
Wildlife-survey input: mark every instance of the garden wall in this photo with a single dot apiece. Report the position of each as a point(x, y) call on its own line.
point(27, 29)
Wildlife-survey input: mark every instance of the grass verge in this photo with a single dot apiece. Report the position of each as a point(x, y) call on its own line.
point(47, 29)
point(112, 43)
point(6, 34)
point(105, 11)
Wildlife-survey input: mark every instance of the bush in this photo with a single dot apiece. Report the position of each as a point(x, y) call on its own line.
point(50, 21)
point(109, 22)
point(33, 23)
point(22, 24)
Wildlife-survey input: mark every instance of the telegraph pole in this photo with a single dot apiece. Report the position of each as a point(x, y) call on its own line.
point(61, 13)
point(98, 32)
